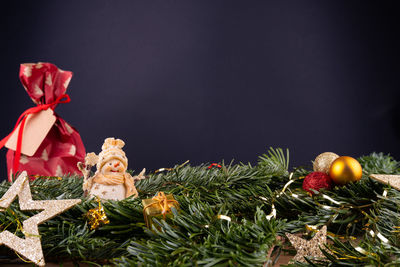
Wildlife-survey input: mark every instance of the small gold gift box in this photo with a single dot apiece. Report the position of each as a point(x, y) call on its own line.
point(158, 207)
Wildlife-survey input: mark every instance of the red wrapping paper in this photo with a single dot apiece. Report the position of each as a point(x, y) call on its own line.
point(62, 148)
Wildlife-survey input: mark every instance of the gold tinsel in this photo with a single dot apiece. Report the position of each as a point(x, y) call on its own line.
point(97, 216)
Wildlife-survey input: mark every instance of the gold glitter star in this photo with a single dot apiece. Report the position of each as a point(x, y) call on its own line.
point(308, 248)
point(30, 247)
point(392, 180)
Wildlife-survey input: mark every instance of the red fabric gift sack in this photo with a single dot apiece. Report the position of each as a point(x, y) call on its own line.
point(62, 147)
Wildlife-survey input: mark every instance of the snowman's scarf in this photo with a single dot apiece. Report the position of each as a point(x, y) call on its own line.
point(125, 179)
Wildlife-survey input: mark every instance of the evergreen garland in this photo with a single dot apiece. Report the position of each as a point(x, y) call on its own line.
point(363, 218)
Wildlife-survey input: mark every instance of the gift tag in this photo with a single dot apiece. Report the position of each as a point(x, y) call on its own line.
point(37, 126)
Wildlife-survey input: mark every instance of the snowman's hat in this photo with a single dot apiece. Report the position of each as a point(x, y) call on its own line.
point(112, 149)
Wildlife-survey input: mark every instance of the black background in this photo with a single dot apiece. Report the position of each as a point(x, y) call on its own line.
point(213, 80)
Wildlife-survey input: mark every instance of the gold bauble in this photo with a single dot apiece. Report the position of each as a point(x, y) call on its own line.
point(323, 162)
point(345, 170)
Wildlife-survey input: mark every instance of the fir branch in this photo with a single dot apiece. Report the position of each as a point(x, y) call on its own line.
point(379, 163)
point(199, 238)
point(243, 192)
point(274, 162)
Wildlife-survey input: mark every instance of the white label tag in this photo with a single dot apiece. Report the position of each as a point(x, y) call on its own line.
point(37, 126)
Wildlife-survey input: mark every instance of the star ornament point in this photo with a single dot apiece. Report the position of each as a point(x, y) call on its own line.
point(308, 248)
point(389, 179)
point(30, 247)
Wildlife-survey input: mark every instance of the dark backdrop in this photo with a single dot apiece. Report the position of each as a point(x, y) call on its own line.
point(213, 80)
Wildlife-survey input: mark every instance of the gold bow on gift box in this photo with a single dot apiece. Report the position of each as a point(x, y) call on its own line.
point(158, 207)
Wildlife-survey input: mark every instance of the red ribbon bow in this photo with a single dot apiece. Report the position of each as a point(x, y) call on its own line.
point(22, 120)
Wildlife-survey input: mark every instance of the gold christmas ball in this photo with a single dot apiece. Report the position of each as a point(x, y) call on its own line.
point(345, 170)
point(323, 162)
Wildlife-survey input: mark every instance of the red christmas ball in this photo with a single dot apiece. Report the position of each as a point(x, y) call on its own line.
point(317, 181)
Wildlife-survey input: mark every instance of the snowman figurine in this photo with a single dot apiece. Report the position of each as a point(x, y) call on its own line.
point(110, 181)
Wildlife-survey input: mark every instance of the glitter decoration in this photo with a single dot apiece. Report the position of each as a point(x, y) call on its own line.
point(392, 180)
point(317, 181)
point(97, 216)
point(323, 162)
point(308, 248)
point(30, 247)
